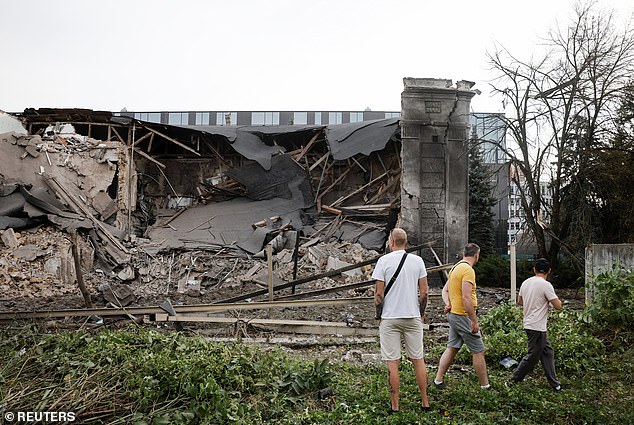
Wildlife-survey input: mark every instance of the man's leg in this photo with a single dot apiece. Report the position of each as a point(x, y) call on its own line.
point(393, 382)
point(535, 348)
point(480, 366)
point(446, 360)
point(421, 380)
point(548, 363)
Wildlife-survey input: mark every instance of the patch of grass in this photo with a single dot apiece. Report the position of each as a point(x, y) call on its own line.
point(139, 376)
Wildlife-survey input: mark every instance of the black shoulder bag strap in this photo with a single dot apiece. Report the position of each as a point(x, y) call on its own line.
point(398, 270)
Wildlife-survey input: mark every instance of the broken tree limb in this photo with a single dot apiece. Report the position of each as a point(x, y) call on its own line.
point(317, 276)
point(176, 142)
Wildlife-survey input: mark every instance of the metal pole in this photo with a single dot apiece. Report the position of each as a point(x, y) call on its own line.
point(513, 273)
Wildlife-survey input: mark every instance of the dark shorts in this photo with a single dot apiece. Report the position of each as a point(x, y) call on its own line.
point(460, 333)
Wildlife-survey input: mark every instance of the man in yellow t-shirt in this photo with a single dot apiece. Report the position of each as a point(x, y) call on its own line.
point(459, 295)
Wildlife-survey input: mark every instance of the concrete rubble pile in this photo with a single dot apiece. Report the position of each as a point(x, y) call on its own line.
point(57, 182)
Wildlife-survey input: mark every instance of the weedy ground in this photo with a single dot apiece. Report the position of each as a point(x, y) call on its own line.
point(140, 376)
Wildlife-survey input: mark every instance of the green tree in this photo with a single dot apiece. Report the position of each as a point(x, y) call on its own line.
point(610, 177)
point(481, 202)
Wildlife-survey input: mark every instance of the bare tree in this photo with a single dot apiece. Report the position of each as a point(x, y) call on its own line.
point(558, 107)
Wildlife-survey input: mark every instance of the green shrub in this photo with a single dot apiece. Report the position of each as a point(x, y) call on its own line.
point(612, 305)
point(576, 349)
point(503, 332)
point(495, 271)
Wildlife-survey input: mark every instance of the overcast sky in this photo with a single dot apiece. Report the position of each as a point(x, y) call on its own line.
point(232, 55)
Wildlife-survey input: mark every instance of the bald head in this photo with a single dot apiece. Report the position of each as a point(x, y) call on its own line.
point(398, 238)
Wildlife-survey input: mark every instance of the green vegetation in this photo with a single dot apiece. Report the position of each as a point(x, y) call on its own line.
point(139, 376)
point(613, 303)
point(495, 271)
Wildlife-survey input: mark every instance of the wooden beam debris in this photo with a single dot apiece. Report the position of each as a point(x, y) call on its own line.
point(116, 250)
point(149, 158)
point(171, 139)
point(294, 326)
point(180, 309)
point(318, 276)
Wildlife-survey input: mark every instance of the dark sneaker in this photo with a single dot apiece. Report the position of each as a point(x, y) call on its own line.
point(489, 388)
point(440, 386)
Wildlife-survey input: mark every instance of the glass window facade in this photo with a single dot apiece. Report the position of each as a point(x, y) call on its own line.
point(318, 118)
point(148, 116)
point(300, 118)
point(178, 118)
point(202, 118)
point(226, 118)
point(265, 118)
point(356, 116)
point(335, 117)
point(392, 115)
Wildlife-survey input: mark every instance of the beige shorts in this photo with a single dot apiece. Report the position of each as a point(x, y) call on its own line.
point(392, 331)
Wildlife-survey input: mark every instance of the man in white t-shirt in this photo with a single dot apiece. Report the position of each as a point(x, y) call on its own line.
point(537, 296)
point(400, 306)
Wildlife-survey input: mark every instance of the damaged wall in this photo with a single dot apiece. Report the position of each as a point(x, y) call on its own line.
point(434, 190)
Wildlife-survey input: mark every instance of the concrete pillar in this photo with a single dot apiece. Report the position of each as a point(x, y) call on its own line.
point(434, 188)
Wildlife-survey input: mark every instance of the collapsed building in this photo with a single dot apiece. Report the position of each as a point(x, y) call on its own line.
point(140, 189)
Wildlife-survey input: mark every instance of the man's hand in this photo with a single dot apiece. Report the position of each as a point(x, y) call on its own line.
point(475, 326)
point(447, 308)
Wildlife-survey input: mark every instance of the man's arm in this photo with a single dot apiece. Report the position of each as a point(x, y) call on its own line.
point(520, 300)
point(556, 302)
point(467, 302)
point(445, 297)
point(378, 298)
point(423, 290)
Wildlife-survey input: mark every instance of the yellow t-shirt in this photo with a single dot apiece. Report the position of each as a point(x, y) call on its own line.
point(461, 272)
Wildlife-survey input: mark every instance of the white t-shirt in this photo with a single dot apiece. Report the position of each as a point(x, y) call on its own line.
point(536, 293)
point(402, 300)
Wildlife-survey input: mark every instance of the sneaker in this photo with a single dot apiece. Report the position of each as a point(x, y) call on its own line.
point(558, 389)
point(440, 386)
point(489, 388)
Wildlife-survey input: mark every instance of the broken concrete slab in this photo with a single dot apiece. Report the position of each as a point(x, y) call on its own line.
point(119, 295)
point(9, 123)
point(104, 205)
point(29, 252)
point(9, 239)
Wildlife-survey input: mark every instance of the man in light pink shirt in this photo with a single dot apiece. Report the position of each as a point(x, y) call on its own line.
point(537, 296)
